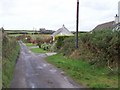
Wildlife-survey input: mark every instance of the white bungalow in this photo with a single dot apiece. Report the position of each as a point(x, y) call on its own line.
point(62, 32)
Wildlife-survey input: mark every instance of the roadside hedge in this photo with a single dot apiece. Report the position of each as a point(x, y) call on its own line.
point(99, 48)
point(10, 51)
point(46, 46)
point(60, 41)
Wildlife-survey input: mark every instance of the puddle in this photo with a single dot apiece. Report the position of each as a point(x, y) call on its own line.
point(65, 78)
point(32, 85)
point(50, 54)
point(30, 75)
point(23, 53)
point(29, 51)
point(44, 65)
point(39, 67)
point(53, 70)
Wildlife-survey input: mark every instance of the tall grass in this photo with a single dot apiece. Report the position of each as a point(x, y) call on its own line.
point(9, 56)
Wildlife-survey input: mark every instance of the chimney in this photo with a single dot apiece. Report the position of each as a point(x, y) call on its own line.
point(116, 19)
point(63, 25)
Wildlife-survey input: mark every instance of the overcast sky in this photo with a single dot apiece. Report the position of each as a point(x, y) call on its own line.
point(52, 14)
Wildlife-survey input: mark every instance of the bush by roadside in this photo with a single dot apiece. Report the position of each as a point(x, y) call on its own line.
point(99, 48)
point(60, 41)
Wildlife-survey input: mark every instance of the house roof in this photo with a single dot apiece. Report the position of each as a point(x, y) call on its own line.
point(63, 31)
point(108, 25)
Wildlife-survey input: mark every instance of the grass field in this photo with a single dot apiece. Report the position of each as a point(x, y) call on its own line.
point(35, 50)
point(30, 33)
point(84, 73)
point(30, 44)
point(38, 50)
point(15, 35)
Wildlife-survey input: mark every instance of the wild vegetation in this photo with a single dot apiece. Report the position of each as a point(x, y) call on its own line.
point(99, 48)
point(85, 74)
point(43, 41)
point(10, 51)
point(95, 62)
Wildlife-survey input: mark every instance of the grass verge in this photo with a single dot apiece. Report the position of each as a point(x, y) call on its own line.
point(84, 73)
point(30, 44)
point(35, 50)
point(8, 65)
point(38, 50)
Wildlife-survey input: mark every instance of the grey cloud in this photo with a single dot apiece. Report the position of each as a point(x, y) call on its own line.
point(6, 7)
point(51, 14)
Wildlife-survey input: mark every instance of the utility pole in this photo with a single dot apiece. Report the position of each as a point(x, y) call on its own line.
point(77, 23)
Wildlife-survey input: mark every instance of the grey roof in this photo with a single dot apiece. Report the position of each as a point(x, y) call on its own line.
point(108, 25)
point(64, 31)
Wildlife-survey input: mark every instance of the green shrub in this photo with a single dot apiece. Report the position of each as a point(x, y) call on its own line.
point(60, 41)
point(106, 44)
point(68, 46)
point(45, 46)
point(53, 47)
point(43, 39)
point(99, 48)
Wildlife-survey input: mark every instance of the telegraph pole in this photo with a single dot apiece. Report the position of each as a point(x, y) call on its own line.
point(77, 23)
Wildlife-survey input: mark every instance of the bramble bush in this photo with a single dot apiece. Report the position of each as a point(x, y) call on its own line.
point(60, 41)
point(68, 46)
point(99, 47)
point(105, 44)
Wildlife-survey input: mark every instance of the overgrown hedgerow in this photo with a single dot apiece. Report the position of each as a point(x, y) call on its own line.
point(60, 41)
point(99, 48)
point(10, 51)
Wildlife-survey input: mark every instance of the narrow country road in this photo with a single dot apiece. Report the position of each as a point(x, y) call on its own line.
point(32, 71)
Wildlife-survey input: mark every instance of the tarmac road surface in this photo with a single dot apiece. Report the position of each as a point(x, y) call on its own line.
point(32, 71)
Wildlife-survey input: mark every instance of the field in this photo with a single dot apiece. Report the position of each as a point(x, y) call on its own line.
point(29, 44)
point(35, 50)
point(38, 50)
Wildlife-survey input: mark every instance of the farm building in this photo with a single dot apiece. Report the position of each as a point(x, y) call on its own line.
point(62, 32)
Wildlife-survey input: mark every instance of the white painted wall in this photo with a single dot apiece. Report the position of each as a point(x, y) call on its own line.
point(116, 19)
